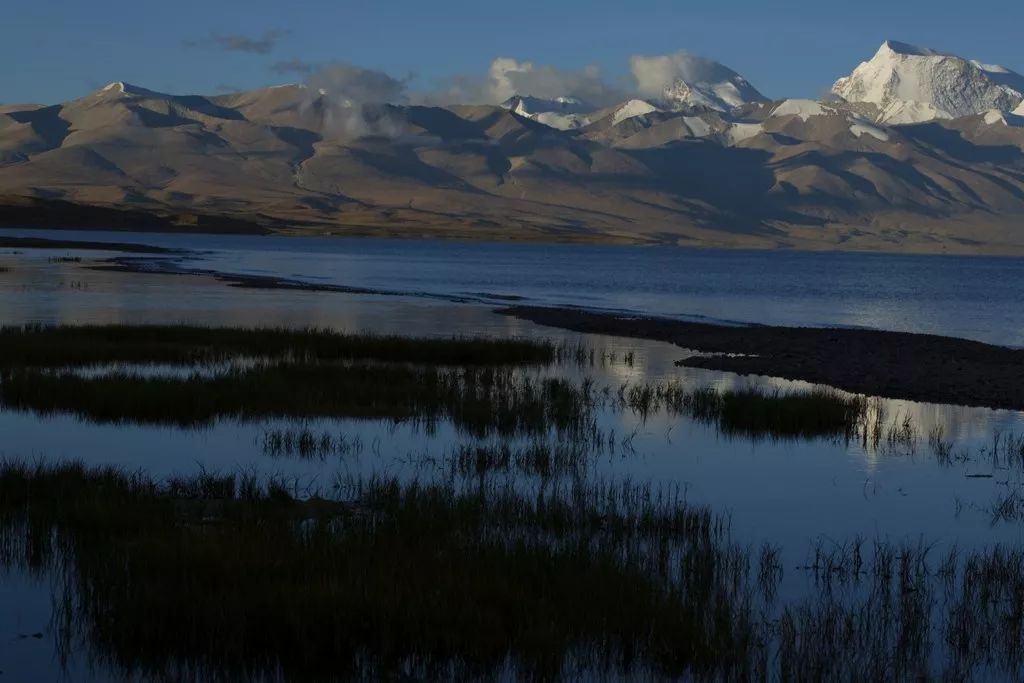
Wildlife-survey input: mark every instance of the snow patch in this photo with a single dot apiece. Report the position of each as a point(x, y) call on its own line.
point(802, 108)
point(902, 112)
point(631, 109)
point(561, 113)
point(122, 88)
point(561, 121)
point(698, 126)
point(738, 132)
point(861, 126)
point(896, 47)
point(526, 105)
point(994, 116)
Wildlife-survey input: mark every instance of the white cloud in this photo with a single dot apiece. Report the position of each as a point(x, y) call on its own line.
point(352, 100)
point(355, 85)
point(653, 74)
point(507, 77)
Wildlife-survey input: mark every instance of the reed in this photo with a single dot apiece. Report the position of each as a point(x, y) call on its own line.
point(539, 459)
point(478, 400)
point(941, 447)
point(306, 444)
point(754, 412)
point(1007, 450)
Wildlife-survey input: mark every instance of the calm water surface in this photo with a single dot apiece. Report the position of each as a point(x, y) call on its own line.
point(790, 493)
point(973, 297)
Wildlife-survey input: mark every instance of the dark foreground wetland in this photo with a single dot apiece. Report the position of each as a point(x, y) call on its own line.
point(201, 481)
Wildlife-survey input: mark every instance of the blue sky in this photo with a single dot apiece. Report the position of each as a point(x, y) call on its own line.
point(54, 50)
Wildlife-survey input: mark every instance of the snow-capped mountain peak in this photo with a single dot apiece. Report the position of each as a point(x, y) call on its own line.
point(562, 113)
point(900, 48)
point(721, 96)
point(526, 105)
point(120, 88)
point(909, 84)
point(683, 80)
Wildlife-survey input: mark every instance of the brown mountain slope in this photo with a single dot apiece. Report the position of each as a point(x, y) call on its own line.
point(794, 174)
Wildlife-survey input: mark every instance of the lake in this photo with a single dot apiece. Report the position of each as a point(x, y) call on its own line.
point(790, 492)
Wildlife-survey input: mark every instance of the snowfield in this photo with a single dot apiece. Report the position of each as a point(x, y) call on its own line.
point(802, 108)
point(633, 108)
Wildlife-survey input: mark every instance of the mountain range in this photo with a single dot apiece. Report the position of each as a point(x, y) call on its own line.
point(915, 150)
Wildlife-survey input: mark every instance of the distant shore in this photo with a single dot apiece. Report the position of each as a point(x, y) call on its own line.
point(900, 365)
point(43, 243)
point(33, 213)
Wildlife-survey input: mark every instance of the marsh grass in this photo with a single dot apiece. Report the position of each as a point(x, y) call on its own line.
point(889, 611)
point(754, 412)
point(229, 577)
point(309, 445)
point(66, 346)
point(539, 459)
point(901, 435)
point(317, 373)
point(478, 400)
point(1007, 505)
point(941, 447)
point(211, 579)
point(1007, 451)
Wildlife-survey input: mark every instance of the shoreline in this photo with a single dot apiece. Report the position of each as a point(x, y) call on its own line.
point(896, 365)
point(75, 217)
point(7, 242)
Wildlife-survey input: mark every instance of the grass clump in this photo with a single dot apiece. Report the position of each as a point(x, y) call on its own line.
point(1007, 450)
point(539, 459)
point(819, 412)
point(755, 412)
point(307, 444)
point(480, 401)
